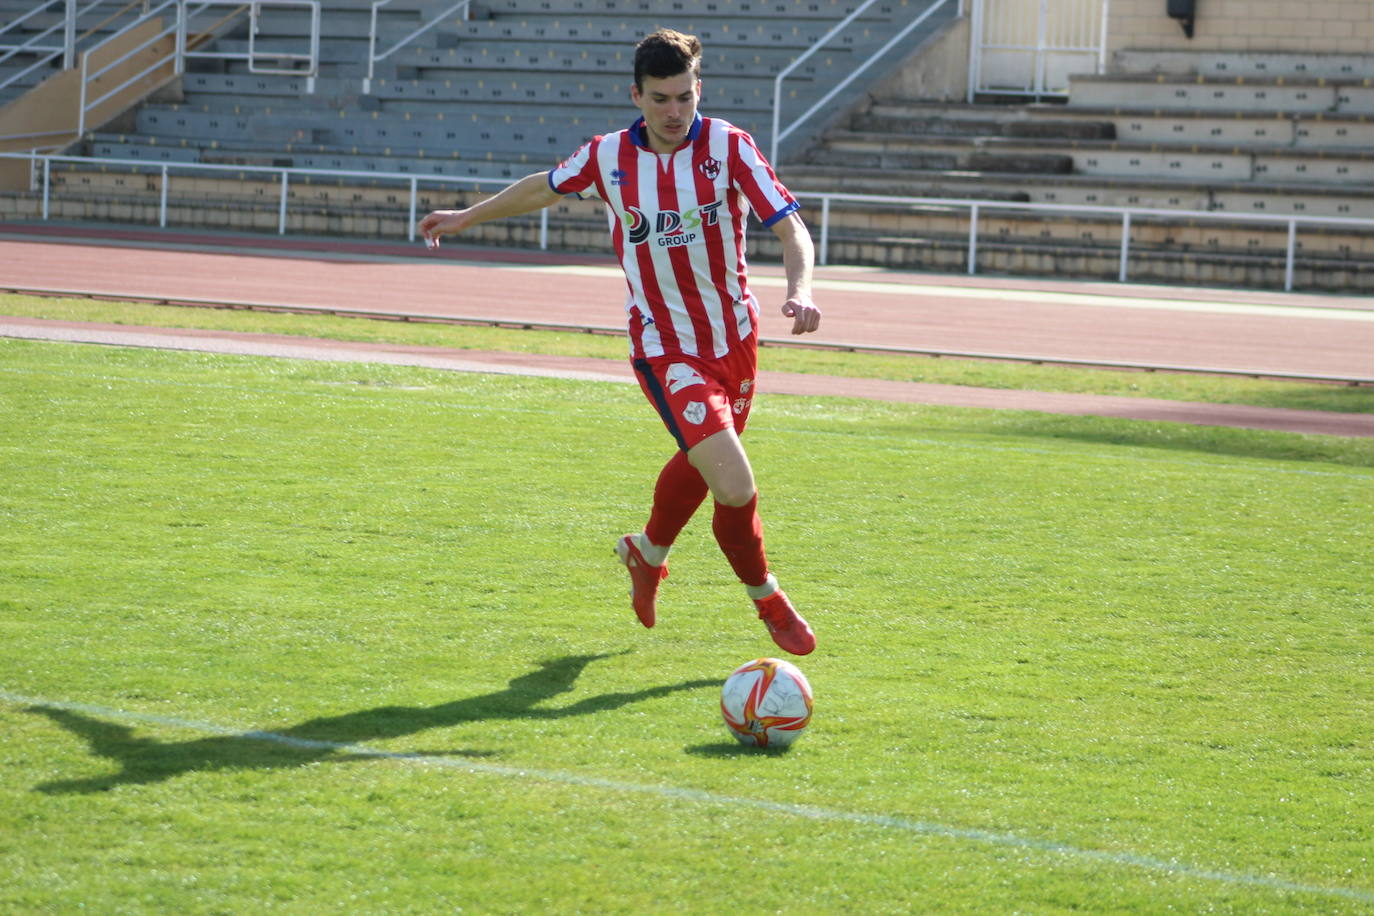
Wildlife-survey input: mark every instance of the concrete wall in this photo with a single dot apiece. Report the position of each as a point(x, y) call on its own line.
point(1320, 26)
point(936, 70)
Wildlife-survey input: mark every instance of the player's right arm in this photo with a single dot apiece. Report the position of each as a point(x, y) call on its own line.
point(524, 196)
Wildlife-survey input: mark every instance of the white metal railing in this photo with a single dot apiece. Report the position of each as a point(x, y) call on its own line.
point(780, 133)
point(282, 174)
point(34, 45)
point(286, 61)
point(373, 58)
point(179, 27)
point(185, 10)
point(975, 208)
point(1026, 48)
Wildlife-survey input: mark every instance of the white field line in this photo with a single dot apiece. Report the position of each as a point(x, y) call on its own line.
point(810, 812)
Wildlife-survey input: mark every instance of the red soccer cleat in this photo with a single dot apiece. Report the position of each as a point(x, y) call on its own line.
point(785, 625)
point(644, 578)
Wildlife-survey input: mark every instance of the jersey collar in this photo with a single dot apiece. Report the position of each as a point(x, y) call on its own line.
point(637, 132)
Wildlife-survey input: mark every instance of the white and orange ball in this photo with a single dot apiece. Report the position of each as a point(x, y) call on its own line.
point(766, 703)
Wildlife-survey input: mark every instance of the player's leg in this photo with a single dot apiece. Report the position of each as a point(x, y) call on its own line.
point(679, 490)
point(705, 405)
point(724, 465)
point(678, 493)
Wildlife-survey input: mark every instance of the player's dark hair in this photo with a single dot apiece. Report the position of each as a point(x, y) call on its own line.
point(666, 53)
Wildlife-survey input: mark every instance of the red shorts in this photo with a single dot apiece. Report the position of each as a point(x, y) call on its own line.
point(696, 397)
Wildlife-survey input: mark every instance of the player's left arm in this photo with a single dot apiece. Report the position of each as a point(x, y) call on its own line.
point(798, 259)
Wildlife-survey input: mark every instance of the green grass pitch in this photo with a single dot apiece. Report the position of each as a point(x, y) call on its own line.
point(305, 637)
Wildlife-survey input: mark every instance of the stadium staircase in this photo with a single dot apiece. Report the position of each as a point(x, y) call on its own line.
point(1243, 132)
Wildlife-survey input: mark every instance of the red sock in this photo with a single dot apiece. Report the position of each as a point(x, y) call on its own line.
point(677, 495)
point(739, 532)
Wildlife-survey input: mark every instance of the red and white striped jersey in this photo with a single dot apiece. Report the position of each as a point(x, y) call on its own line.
point(678, 227)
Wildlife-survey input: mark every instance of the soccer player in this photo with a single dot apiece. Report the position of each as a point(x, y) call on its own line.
point(681, 187)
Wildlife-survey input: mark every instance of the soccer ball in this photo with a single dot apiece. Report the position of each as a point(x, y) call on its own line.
point(766, 703)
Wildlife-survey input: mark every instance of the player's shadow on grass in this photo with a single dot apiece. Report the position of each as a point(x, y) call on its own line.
point(344, 737)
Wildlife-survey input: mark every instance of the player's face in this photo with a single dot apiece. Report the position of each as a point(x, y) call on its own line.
point(669, 106)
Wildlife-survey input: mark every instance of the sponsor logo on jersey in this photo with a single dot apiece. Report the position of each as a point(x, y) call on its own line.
point(672, 227)
point(680, 376)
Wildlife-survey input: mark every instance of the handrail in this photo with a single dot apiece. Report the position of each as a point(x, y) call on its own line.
point(180, 52)
point(373, 57)
point(778, 135)
point(110, 18)
point(67, 49)
point(176, 57)
point(973, 206)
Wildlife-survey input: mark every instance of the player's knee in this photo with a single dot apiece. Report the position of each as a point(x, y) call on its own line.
point(734, 492)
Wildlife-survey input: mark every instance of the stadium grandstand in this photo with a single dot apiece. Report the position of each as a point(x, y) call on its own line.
point(1212, 143)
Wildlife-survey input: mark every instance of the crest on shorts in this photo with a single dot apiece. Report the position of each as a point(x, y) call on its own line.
point(694, 413)
point(709, 167)
point(680, 376)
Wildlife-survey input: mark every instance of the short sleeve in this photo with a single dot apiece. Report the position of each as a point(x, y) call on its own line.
point(754, 178)
point(578, 174)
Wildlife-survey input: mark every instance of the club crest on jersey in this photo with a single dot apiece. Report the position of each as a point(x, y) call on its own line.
point(709, 167)
point(672, 227)
point(694, 413)
point(680, 376)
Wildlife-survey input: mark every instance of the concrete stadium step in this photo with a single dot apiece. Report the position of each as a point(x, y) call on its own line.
point(981, 154)
point(1260, 64)
point(1274, 198)
point(1309, 130)
point(350, 52)
point(915, 117)
point(108, 146)
point(233, 85)
point(448, 130)
point(678, 10)
point(507, 164)
point(586, 57)
point(379, 134)
point(716, 34)
point(1159, 90)
point(734, 93)
point(1103, 158)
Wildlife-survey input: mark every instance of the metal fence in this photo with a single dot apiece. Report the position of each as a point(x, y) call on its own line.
point(976, 209)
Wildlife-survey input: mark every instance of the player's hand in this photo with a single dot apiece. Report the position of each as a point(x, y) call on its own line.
point(804, 314)
point(440, 222)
